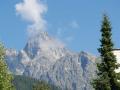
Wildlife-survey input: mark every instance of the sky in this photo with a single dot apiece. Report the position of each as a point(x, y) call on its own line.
point(76, 23)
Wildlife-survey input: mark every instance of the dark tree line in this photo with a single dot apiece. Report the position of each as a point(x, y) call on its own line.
point(27, 83)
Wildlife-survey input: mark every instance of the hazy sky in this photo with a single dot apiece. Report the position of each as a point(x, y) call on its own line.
point(75, 22)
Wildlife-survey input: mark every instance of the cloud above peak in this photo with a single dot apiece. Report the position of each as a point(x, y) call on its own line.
point(32, 11)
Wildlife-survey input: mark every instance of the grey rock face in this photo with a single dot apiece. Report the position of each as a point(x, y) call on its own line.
point(53, 63)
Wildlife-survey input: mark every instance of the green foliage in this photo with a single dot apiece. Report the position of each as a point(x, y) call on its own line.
point(5, 76)
point(27, 83)
point(24, 83)
point(45, 86)
point(41, 86)
point(107, 77)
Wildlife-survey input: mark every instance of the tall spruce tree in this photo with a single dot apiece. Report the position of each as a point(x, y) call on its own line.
point(5, 76)
point(106, 76)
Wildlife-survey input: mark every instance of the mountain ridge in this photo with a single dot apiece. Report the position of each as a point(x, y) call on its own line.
point(46, 59)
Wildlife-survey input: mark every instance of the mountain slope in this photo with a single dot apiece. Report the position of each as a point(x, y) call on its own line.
point(47, 59)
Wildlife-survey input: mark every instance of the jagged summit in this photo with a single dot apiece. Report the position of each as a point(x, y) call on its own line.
point(42, 43)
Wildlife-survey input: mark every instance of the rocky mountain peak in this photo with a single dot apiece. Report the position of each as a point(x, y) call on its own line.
point(45, 58)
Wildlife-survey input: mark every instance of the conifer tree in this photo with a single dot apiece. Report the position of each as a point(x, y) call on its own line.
point(5, 76)
point(106, 76)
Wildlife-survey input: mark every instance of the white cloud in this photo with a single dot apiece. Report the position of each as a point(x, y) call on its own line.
point(46, 45)
point(32, 11)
